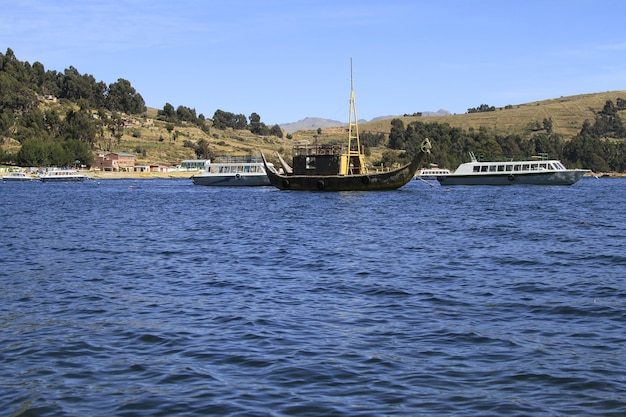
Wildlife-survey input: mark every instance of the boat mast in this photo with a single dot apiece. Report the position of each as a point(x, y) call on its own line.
point(354, 152)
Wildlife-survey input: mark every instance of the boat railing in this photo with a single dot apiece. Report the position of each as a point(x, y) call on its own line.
point(238, 159)
point(307, 149)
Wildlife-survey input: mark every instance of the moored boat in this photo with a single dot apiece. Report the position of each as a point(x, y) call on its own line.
point(17, 176)
point(233, 171)
point(62, 175)
point(540, 171)
point(340, 167)
point(431, 173)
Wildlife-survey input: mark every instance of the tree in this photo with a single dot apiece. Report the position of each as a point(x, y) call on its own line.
point(78, 151)
point(124, 98)
point(31, 126)
point(15, 96)
point(79, 126)
point(276, 131)
point(547, 125)
point(481, 108)
point(389, 159)
point(256, 126)
point(202, 149)
point(255, 123)
point(168, 112)
point(396, 136)
point(223, 120)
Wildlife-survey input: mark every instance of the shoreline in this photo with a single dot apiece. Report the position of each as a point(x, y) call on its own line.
point(99, 175)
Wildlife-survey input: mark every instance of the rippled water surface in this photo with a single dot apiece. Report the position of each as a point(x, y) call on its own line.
point(160, 298)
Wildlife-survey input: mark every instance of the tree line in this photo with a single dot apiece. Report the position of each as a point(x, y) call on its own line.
point(224, 120)
point(53, 137)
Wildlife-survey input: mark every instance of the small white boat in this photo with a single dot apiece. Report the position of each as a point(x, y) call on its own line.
point(62, 175)
point(233, 171)
point(431, 173)
point(534, 172)
point(17, 176)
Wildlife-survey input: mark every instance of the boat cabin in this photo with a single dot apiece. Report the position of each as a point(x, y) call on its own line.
point(234, 164)
point(517, 166)
point(327, 160)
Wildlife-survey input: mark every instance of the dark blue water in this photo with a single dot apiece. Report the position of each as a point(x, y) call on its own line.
point(161, 298)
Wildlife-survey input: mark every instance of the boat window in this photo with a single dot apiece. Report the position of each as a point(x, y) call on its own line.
point(476, 168)
point(500, 168)
point(525, 167)
point(534, 167)
point(492, 168)
point(310, 162)
point(509, 168)
point(544, 166)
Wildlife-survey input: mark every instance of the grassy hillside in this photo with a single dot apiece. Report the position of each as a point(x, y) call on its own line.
point(151, 143)
point(567, 114)
point(155, 144)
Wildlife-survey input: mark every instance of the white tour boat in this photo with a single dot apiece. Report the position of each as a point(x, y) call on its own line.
point(431, 173)
point(534, 172)
point(233, 171)
point(62, 175)
point(17, 176)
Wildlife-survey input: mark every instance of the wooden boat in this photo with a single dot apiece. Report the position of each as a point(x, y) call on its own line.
point(338, 167)
point(540, 171)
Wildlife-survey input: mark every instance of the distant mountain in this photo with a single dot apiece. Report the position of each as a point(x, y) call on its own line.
point(314, 123)
point(440, 112)
point(311, 123)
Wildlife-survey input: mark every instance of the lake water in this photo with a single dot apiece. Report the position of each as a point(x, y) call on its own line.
point(161, 298)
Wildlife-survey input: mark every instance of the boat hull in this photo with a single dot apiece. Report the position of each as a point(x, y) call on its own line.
point(565, 177)
point(366, 182)
point(64, 179)
point(239, 180)
point(15, 178)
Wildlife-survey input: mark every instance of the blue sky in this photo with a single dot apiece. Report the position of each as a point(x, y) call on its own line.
point(287, 60)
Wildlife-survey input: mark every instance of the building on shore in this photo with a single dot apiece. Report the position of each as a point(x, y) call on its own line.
point(115, 161)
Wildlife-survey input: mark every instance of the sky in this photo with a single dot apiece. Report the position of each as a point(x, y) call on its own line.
point(288, 60)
